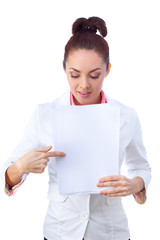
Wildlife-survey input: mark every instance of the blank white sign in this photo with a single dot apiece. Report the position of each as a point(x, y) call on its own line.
point(89, 135)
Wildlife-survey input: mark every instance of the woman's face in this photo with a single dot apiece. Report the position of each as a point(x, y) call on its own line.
point(85, 70)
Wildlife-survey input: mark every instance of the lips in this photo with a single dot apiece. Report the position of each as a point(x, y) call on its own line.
point(84, 94)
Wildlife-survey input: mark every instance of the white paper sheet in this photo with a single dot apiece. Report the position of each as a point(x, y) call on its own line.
point(89, 135)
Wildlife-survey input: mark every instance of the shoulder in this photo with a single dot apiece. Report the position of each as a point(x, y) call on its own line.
point(128, 114)
point(124, 107)
point(60, 101)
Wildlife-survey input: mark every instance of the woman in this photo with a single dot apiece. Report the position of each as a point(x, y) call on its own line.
point(90, 216)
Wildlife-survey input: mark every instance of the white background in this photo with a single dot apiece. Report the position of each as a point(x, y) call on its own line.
point(33, 34)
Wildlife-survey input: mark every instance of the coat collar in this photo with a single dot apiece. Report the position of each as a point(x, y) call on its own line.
point(65, 100)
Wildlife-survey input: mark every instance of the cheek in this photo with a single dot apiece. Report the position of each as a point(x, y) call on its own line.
point(98, 84)
point(72, 83)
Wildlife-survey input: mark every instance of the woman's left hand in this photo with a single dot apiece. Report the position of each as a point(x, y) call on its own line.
point(122, 186)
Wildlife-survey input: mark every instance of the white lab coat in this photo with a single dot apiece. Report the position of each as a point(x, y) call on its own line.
point(92, 216)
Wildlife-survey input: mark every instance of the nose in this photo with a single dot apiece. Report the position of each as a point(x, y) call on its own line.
point(84, 84)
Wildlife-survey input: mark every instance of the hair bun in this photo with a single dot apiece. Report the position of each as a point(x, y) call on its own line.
point(91, 24)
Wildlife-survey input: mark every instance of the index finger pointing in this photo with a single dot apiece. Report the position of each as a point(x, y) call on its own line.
point(55, 154)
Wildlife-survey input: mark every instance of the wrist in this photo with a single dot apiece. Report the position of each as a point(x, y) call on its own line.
point(13, 175)
point(138, 184)
point(19, 167)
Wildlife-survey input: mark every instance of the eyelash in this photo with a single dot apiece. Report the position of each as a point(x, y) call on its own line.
point(90, 76)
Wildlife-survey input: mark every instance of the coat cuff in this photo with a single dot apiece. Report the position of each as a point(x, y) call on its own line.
point(140, 197)
point(145, 175)
point(10, 191)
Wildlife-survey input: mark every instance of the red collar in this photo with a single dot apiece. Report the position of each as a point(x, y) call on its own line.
point(103, 98)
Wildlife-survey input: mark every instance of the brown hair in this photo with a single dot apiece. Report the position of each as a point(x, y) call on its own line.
point(84, 37)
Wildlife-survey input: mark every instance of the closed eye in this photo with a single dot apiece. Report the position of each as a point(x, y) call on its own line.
point(74, 76)
point(95, 77)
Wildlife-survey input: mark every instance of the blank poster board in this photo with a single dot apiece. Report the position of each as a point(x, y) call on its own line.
point(89, 135)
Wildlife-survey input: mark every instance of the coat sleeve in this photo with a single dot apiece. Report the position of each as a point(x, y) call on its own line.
point(136, 161)
point(29, 141)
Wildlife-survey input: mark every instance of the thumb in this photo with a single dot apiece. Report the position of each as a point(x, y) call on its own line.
point(43, 149)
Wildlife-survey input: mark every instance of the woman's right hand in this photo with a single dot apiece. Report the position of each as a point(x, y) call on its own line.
point(36, 160)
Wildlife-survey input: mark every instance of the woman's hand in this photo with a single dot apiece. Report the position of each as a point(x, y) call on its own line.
point(122, 186)
point(36, 160)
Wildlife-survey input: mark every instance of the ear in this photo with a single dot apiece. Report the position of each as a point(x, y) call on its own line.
point(63, 66)
point(108, 71)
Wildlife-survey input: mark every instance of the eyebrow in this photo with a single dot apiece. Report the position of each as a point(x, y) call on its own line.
point(89, 72)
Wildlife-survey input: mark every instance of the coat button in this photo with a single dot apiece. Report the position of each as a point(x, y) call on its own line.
point(84, 216)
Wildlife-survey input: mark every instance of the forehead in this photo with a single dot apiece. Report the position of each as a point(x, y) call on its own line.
point(83, 57)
